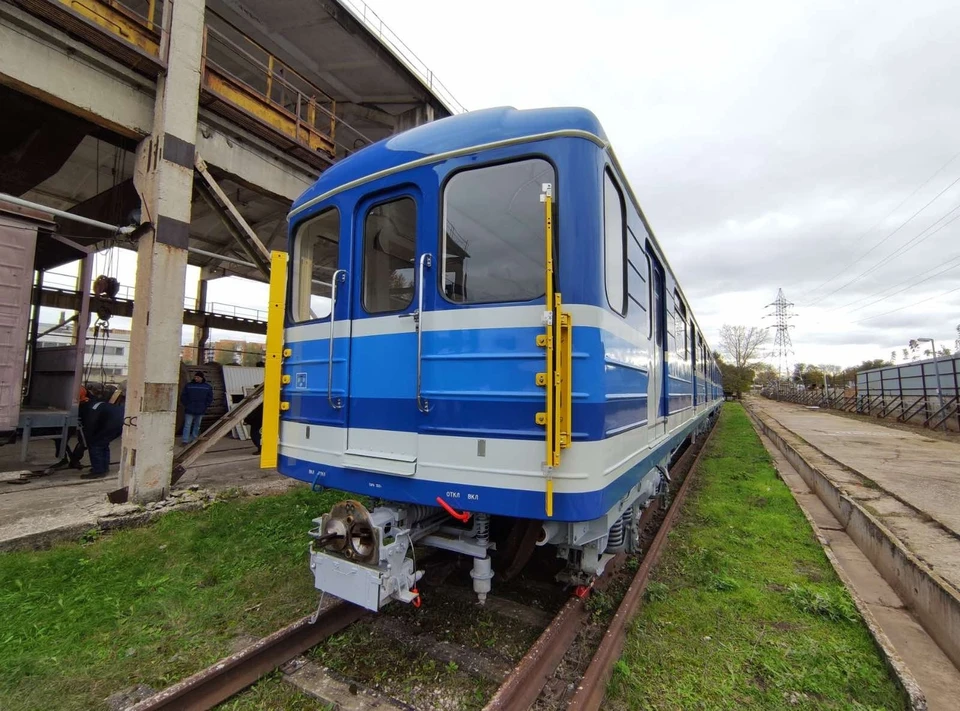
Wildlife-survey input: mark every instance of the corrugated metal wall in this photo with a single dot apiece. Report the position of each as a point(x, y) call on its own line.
point(237, 383)
point(912, 379)
point(17, 245)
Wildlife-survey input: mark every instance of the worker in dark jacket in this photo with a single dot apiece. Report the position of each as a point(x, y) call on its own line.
point(255, 421)
point(197, 396)
point(102, 422)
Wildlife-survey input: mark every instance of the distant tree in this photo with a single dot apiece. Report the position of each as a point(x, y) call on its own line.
point(735, 380)
point(740, 345)
point(893, 356)
point(764, 373)
point(906, 354)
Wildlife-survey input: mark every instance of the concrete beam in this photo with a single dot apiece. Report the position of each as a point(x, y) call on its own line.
point(366, 113)
point(72, 301)
point(245, 21)
point(251, 161)
point(47, 64)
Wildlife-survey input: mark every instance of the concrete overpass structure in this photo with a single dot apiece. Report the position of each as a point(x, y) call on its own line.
point(199, 120)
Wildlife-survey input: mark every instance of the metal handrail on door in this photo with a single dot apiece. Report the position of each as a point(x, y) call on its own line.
point(426, 260)
point(339, 277)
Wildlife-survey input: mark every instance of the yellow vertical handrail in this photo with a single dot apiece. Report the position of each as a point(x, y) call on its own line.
point(557, 380)
point(270, 434)
point(545, 340)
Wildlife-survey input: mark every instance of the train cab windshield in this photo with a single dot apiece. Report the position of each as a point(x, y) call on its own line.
point(493, 233)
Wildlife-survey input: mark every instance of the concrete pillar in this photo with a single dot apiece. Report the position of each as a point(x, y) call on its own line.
point(416, 116)
point(164, 178)
point(201, 334)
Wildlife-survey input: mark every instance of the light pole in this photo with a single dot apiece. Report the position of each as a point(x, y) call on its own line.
point(936, 367)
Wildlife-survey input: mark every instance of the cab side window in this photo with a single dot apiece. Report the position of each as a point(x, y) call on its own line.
point(614, 245)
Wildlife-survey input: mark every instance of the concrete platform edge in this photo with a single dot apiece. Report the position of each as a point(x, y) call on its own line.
point(931, 599)
point(132, 516)
point(901, 672)
point(42, 540)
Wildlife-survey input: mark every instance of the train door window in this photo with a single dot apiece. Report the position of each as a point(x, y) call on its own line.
point(317, 250)
point(494, 229)
point(389, 252)
point(650, 282)
point(655, 310)
point(614, 245)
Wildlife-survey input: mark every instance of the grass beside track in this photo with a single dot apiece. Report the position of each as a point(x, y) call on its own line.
point(153, 605)
point(744, 609)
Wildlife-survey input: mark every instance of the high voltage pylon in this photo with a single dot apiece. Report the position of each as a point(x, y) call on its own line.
point(782, 345)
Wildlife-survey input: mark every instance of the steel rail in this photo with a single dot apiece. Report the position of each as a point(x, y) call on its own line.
point(523, 686)
point(521, 689)
point(593, 685)
point(219, 682)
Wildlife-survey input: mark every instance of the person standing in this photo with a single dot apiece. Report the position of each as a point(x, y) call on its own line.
point(255, 421)
point(197, 396)
point(102, 423)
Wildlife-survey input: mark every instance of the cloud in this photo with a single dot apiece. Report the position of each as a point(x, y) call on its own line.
point(770, 144)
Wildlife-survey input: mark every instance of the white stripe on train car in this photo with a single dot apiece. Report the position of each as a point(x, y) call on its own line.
point(505, 463)
point(467, 320)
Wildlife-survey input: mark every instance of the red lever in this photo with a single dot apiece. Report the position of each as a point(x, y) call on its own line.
point(416, 601)
point(465, 516)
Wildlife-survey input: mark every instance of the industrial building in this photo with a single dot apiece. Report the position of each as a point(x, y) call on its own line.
point(182, 130)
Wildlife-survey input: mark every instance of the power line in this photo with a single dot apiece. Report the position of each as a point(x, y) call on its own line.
point(894, 286)
point(883, 219)
point(909, 286)
point(905, 247)
point(908, 306)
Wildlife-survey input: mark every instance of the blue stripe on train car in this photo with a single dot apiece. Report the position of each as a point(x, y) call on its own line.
point(479, 383)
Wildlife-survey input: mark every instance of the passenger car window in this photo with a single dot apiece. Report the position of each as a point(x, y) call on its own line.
point(493, 233)
point(389, 251)
point(614, 260)
point(317, 249)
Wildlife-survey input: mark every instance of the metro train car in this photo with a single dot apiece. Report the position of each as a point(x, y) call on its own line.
point(484, 339)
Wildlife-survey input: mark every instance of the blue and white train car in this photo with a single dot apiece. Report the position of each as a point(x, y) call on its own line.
point(481, 327)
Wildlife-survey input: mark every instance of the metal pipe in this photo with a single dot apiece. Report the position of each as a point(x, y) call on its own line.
point(66, 215)
point(222, 258)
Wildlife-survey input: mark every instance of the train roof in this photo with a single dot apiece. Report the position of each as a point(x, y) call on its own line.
point(460, 132)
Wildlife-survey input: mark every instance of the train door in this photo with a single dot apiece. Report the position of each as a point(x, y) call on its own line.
point(381, 423)
point(657, 411)
point(484, 283)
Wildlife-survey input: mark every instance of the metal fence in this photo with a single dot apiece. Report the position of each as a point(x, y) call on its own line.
point(907, 393)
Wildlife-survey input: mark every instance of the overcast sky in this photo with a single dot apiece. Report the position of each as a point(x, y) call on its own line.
point(771, 144)
point(804, 146)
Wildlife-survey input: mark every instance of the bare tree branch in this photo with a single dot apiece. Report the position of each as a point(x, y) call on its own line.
point(740, 344)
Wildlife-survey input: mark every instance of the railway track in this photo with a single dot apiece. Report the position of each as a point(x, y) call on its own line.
point(556, 672)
